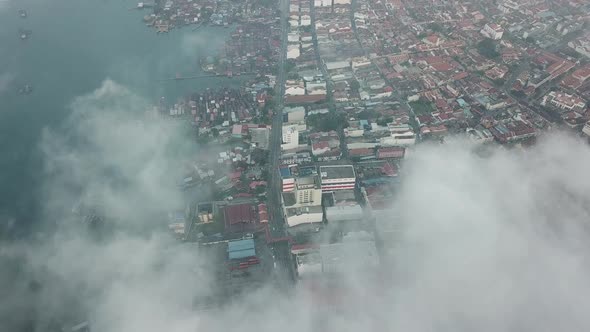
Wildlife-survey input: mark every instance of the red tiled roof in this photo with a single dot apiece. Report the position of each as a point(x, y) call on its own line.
point(393, 152)
point(443, 66)
point(360, 152)
point(389, 170)
point(460, 76)
point(241, 213)
point(305, 99)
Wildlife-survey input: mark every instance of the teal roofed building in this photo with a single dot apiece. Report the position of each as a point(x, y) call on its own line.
point(241, 249)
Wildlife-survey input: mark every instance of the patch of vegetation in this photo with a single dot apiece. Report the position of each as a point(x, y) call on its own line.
point(436, 27)
point(306, 28)
point(384, 121)
point(530, 40)
point(355, 86)
point(487, 48)
point(289, 65)
point(519, 94)
point(327, 122)
point(421, 107)
point(499, 82)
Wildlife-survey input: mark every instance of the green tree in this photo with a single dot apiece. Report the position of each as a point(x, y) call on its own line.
point(355, 86)
point(327, 122)
point(436, 27)
point(384, 121)
point(487, 48)
point(289, 65)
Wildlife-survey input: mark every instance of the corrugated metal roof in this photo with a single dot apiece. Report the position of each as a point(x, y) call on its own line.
point(240, 245)
point(241, 249)
point(242, 254)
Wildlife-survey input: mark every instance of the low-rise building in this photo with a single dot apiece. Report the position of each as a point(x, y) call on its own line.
point(586, 129)
point(564, 101)
point(400, 135)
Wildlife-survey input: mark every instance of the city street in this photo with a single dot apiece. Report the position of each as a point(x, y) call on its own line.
point(281, 250)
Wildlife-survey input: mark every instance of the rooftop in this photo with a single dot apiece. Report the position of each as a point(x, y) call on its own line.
point(241, 249)
point(337, 172)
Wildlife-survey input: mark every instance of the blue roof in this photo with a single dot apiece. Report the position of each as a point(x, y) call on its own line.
point(364, 123)
point(240, 245)
point(285, 172)
point(242, 254)
point(241, 249)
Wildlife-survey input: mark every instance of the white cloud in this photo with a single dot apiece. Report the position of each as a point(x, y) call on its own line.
point(494, 243)
point(5, 78)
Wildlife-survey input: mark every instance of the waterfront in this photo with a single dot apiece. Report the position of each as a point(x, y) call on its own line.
point(103, 39)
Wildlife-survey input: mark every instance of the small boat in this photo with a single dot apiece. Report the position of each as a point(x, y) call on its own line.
point(24, 34)
point(22, 13)
point(25, 90)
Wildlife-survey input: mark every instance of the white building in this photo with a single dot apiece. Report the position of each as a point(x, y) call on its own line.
point(581, 46)
point(586, 129)
point(293, 51)
point(294, 91)
point(316, 87)
point(303, 206)
point(354, 132)
point(359, 62)
point(400, 135)
point(564, 101)
point(344, 213)
point(290, 137)
point(335, 65)
point(293, 37)
point(337, 177)
point(480, 135)
point(305, 20)
point(492, 31)
point(322, 3)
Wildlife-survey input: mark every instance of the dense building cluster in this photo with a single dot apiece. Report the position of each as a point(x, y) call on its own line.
point(344, 92)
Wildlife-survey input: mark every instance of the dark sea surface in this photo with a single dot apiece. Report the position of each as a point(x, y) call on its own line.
point(75, 45)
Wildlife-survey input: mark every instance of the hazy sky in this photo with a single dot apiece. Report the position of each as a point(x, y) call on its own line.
point(495, 243)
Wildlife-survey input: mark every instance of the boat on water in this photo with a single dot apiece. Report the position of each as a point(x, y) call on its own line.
point(25, 89)
point(24, 34)
point(22, 13)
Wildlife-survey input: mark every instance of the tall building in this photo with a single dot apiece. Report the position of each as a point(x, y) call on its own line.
point(492, 31)
point(303, 207)
point(302, 202)
point(290, 137)
point(337, 177)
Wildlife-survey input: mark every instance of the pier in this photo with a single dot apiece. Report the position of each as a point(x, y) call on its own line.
point(194, 77)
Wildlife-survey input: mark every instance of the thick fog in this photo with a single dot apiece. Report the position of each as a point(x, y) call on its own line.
point(493, 241)
point(5, 80)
